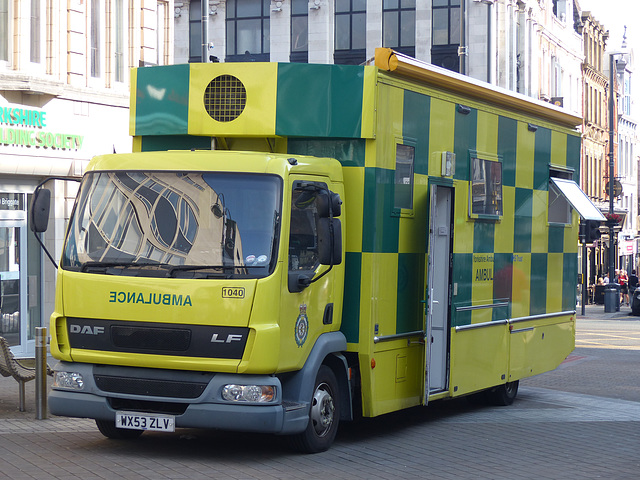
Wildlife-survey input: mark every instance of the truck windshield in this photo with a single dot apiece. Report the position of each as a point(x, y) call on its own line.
point(175, 224)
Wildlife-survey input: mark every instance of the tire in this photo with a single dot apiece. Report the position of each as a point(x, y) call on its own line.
point(503, 395)
point(108, 429)
point(324, 415)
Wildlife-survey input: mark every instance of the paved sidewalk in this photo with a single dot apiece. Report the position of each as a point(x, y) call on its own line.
point(597, 312)
point(554, 430)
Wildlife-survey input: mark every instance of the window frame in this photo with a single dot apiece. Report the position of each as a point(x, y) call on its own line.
point(397, 11)
point(401, 209)
point(291, 265)
point(232, 19)
point(477, 165)
point(449, 7)
point(195, 32)
point(302, 15)
point(5, 24)
point(94, 39)
point(562, 213)
point(119, 43)
point(351, 55)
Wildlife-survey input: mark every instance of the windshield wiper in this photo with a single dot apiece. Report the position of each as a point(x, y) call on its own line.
point(101, 267)
point(221, 269)
point(187, 268)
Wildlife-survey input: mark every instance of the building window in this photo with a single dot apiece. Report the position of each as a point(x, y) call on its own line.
point(35, 31)
point(4, 30)
point(299, 31)
point(560, 9)
point(399, 25)
point(95, 38)
point(195, 32)
point(119, 42)
point(350, 32)
point(162, 32)
point(248, 30)
point(446, 34)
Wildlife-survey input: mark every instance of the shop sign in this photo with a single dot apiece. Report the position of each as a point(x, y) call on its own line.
point(626, 248)
point(11, 201)
point(27, 127)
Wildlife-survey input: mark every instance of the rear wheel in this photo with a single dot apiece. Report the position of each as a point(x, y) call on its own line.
point(503, 395)
point(324, 415)
point(108, 429)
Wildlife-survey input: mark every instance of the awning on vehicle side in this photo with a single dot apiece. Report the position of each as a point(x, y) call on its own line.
point(578, 199)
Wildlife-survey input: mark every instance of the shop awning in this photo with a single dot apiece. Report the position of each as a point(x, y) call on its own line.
point(578, 200)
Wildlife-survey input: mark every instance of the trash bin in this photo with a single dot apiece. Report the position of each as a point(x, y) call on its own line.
point(612, 297)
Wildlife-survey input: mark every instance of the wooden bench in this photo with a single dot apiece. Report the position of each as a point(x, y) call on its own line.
point(11, 367)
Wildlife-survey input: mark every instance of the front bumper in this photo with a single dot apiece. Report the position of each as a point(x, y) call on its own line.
point(208, 410)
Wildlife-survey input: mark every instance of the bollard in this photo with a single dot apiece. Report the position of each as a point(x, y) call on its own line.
point(41, 373)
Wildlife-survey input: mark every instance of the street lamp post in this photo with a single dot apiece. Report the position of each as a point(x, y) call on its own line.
point(610, 294)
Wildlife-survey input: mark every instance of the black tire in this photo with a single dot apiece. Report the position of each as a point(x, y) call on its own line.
point(324, 415)
point(108, 429)
point(503, 395)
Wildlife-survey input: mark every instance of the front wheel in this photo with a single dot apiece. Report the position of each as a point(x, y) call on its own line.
point(108, 429)
point(324, 415)
point(503, 395)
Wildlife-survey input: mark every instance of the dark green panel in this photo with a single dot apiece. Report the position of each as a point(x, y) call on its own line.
point(503, 276)
point(315, 100)
point(465, 139)
point(556, 239)
point(174, 142)
point(415, 126)
point(542, 158)
point(523, 220)
point(569, 281)
point(573, 155)
point(483, 236)
point(502, 282)
point(380, 229)
point(538, 284)
point(350, 325)
point(507, 145)
point(165, 112)
point(410, 309)
point(462, 275)
point(349, 152)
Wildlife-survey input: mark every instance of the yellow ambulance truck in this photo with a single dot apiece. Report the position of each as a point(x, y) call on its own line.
point(294, 245)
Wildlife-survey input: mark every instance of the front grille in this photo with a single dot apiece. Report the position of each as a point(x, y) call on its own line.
point(141, 338)
point(225, 98)
point(149, 387)
point(153, 338)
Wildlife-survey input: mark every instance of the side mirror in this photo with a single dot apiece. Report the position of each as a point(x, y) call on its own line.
point(39, 211)
point(298, 281)
point(329, 241)
point(329, 202)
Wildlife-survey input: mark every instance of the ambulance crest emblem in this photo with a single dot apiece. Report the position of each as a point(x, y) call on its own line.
point(302, 326)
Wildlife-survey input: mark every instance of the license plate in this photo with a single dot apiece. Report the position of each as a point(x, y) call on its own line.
point(145, 421)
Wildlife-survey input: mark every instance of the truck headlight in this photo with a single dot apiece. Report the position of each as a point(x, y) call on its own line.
point(68, 380)
point(249, 393)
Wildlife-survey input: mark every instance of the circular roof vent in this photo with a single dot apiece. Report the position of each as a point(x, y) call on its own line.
point(225, 98)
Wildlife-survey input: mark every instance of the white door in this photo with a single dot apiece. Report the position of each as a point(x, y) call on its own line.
point(438, 287)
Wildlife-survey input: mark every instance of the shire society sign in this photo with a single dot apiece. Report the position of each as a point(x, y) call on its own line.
point(25, 127)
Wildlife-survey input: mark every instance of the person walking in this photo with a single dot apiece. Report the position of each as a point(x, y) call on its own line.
point(633, 284)
point(624, 287)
